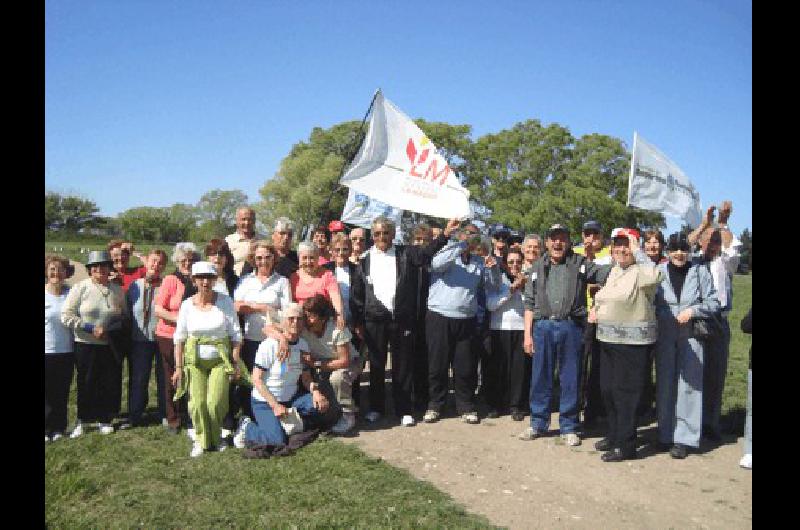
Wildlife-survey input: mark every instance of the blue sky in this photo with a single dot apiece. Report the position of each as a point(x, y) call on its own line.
point(148, 103)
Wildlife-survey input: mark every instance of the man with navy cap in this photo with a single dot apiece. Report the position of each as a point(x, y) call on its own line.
point(555, 316)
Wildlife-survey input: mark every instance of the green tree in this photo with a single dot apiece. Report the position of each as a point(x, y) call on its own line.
point(216, 210)
point(747, 248)
point(532, 176)
point(70, 213)
point(182, 220)
point(144, 223)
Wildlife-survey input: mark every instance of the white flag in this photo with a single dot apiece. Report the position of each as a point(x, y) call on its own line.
point(657, 184)
point(398, 165)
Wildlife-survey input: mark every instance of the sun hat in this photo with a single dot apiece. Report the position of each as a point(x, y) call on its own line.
point(203, 268)
point(592, 225)
point(98, 257)
point(624, 232)
point(293, 310)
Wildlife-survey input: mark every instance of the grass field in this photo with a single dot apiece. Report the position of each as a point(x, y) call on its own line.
point(144, 477)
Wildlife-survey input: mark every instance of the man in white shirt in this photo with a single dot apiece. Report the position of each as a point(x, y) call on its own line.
point(383, 304)
point(721, 251)
point(239, 241)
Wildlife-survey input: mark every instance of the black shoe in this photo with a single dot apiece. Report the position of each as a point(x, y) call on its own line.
point(517, 416)
point(618, 455)
point(711, 435)
point(492, 414)
point(679, 451)
point(603, 445)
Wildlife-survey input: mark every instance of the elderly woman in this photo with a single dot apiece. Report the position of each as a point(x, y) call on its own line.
point(220, 256)
point(140, 298)
point(207, 342)
point(531, 250)
point(686, 293)
point(508, 369)
point(93, 308)
point(259, 299)
point(59, 348)
point(654, 245)
point(175, 288)
point(311, 279)
point(279, 386)
point(121, 273)
point(321, 237)
point(342, 268)
point(624, 311)
point(333, 355)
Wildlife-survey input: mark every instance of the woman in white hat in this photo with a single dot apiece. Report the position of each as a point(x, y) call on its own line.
point(207, 342)
point(94, 307)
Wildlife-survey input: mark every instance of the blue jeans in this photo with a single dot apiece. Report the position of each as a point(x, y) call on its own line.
point(140, 363)
point(267, 430)
point(562, 341)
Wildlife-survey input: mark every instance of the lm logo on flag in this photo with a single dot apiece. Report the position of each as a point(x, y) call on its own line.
point(425, 163)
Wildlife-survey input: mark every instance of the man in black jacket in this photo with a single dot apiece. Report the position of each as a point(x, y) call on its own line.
point(383, 304)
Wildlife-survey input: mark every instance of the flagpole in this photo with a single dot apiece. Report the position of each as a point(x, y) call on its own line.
point(633, 168)
point(349, 159)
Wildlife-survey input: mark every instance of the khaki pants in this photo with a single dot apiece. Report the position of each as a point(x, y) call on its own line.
point(342, 383)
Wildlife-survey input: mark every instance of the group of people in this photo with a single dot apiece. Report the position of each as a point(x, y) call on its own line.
point(280, 337)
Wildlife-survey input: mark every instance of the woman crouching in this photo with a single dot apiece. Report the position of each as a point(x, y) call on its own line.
point(279, 386)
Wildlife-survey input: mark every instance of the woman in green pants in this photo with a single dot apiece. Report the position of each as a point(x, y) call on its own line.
point(207, 342)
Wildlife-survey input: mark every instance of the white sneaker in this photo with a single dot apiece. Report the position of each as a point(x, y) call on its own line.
point(571, 439)
point(238, 438)
point(373, 416)
point(164, 422)
point(191, 434)
point(197, 450)
point(106, 428)
point(77, 431)
point(529, 434)
point(345, 423)
point(408, 421)
point(46, 438)
point(223, 444)
point(747, 461)
point(470, 417)
point(56, 436)
point(226, 432)
point(431, 416)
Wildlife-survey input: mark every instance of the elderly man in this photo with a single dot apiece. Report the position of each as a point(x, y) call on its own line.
point(531, 250)
point(720, 251)
point(287, 261)
point(239, 241)
point(591, 398)
point(383, 304)
point(555, 316)
point(358, 239)
point(458, 277)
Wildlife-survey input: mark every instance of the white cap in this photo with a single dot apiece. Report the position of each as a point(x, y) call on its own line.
point(203, 268)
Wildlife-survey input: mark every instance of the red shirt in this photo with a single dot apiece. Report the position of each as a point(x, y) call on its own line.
point(130, 275)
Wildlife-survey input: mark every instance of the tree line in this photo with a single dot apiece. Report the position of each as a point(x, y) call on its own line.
point(527, 177)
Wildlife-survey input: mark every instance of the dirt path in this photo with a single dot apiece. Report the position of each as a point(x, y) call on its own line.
point(545, 484)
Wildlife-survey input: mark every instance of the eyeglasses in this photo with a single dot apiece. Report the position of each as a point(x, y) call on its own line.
point(264, 258)
point(514, 261)
point(188, 260)
point(342, 249)
point(381, 233)
point(357, 239)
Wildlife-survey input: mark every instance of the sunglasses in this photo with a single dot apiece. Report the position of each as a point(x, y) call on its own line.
point(264, 258)
point(357, 239)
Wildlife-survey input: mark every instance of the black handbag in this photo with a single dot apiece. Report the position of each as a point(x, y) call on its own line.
point(707, 328)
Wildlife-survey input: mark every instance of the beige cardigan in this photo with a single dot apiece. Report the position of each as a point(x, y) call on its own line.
point(89, 303)
point(625, 306)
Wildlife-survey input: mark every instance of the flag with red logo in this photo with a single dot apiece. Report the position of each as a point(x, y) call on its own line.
point(398, 165)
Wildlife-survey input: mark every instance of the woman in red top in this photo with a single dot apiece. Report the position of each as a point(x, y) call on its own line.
point(311, 279)
point(175, 288)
